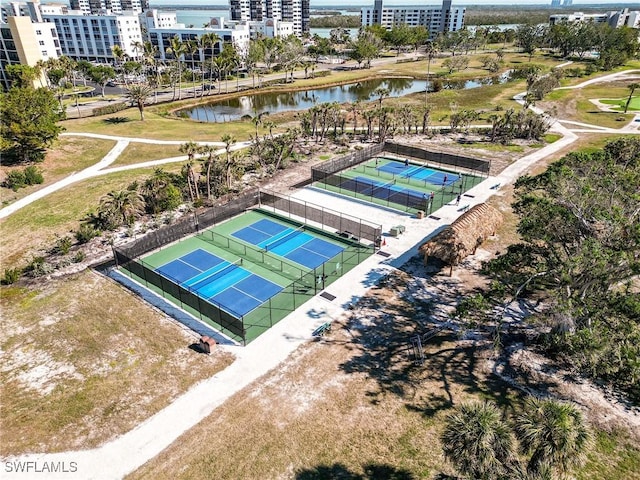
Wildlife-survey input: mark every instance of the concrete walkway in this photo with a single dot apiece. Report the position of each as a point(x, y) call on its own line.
point(123, 455)
point(100, 167)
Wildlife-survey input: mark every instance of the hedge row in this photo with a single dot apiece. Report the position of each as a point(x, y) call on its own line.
point(113, 108)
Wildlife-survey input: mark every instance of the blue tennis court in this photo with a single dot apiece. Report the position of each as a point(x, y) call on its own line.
point(227, 284)
point(291, 243)
point(385, 191)
point(419, 172)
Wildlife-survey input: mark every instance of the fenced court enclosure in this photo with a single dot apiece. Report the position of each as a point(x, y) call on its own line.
point(244, 266)
point(401, 177)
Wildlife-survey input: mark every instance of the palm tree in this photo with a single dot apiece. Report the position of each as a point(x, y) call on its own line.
point(210, 152)
point(229, 141)
point(478, 442)
point(126, 203)
point(219, 64)
point(431, 49)
point(119, 56)
point(177, 48)
point(192, 47)
point(632, 88)
point(381, 92)
point(149, 52)
point(554, 433)
point(138, 94)
point(205, 42)
point(138, 48)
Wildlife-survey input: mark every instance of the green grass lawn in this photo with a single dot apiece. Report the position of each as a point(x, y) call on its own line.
point(575, 104)
point(634, 104)
point(144, 152)
point(68, 155)
point(38, 225)
point(161, 127)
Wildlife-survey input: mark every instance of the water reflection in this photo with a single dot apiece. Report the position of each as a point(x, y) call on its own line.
point(251, 105)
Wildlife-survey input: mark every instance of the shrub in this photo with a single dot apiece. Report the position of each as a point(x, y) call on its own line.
point(39, 267)
point(590, 68)
point(15, 180)
point(78, 257)
point(11, 275)
point(113, 108)
point(62, 246)
point(85, 233)
point(33, 176)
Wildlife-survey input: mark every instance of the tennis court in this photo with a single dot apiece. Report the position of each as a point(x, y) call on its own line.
point(292, 243)
point(419, 172)
point(246, 273)
point(386, 191)
point(400, 184)
point(227, 284)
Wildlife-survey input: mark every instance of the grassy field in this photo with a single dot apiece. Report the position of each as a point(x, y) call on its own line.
point(354, 404)
point(634, 104)
point(576, 105)
point(68, 155)
point(145, 152)
point(161, 127)
point(82, 360)
point(57, 214)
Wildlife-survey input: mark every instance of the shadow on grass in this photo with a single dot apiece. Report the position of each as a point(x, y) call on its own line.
point(339, 471)
point(381, 342)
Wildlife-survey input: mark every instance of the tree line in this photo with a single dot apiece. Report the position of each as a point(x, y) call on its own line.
point(579, 260)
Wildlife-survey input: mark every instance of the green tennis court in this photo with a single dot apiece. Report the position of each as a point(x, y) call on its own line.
point(247, 273)
point(400, 184)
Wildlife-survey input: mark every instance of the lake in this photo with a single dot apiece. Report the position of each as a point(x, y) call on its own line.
point(276, 102)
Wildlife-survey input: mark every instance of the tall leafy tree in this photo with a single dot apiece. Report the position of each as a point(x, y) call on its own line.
point(28, 117)
point(366, 47)
point(399, 36)
point(101, 74)
point(580, 250)
point(529, 37)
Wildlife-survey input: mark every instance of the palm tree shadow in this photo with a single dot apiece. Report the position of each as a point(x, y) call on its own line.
point(337, 471)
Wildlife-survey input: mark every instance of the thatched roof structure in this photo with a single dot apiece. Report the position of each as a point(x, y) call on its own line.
point(463, 236)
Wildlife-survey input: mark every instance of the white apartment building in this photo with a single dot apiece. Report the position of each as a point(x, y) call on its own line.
point(234, 33)
point(436, 19)
point(89, 7)
point(91, 37)
point(293, 11)
point(615, 19)
point(271, 28)
point(26, 43)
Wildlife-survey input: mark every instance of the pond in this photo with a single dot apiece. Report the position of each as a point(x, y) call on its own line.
point(276, 102)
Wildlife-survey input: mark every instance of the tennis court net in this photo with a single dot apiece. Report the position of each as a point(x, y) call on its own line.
point(280, 240)
point(216, 275)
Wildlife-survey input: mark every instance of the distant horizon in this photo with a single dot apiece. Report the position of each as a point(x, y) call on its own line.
point(395, 3)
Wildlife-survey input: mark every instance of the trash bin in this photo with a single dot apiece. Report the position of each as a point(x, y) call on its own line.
point(420, 214)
